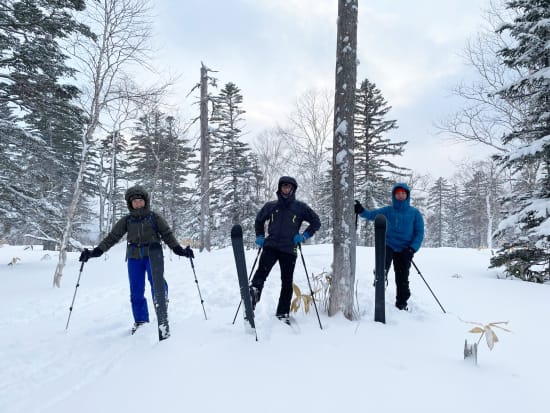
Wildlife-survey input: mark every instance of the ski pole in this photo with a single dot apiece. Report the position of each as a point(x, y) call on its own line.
point(249, 277)
point(310, 289)
point(74, 295)
point(198, 288)
point(419, 273)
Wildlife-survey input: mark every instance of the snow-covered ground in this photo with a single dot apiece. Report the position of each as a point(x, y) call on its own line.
point(413, 363)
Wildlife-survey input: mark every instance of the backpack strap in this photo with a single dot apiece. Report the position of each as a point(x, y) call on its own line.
point(149, 217)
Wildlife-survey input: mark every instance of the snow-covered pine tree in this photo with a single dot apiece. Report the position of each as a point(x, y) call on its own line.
point(162, 162)
point(525, 254)
point(25, 207)
point(453, 218)
point(231, 191)
point(474, 210)
point(438, 207)
point(374, 171)
point(112, 176)
point(37, 110)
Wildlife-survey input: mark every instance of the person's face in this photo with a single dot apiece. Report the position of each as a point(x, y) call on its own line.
point(138, 203)
point(400, 195)
point(286, 189)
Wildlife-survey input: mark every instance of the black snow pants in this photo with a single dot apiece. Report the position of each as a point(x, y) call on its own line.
point(401, 266)
point(287, 262)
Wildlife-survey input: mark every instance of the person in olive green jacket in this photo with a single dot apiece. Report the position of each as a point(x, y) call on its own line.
point(143, 228)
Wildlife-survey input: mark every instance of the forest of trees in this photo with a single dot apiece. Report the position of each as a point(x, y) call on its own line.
point(76, 131)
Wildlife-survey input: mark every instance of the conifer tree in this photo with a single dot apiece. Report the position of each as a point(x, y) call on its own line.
point(374, 170)
point(232, 178)
point(111, 178)
point(525, 254)
point(438, 205)
point(36, 101)
point(163, 163)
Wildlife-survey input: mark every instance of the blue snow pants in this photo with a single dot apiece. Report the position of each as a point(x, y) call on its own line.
point(136, 274)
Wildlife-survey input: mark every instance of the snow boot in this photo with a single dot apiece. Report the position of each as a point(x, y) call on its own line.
point(254, 295)
point(285, 318)
point(137, 325)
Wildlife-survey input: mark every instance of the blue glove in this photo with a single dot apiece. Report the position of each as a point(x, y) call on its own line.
point(300, 238)
point(260, 241)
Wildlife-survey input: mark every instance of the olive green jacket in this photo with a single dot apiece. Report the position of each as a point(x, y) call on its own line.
point(140, 233)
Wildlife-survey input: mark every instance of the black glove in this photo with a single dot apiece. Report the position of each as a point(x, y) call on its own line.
point(358, 207)
point(187, 252)
point(409, 253)
point(87, 254)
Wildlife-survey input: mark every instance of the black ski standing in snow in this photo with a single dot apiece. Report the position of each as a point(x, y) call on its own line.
point(156, 260)
point(240, 261)
point(380, 258)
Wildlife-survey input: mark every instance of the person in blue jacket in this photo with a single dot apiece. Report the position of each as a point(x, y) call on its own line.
point(285, 216)
point(404, 236)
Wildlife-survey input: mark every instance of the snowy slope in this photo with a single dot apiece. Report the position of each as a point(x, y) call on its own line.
point(413, 363)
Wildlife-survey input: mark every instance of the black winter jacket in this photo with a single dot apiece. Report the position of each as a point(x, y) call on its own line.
point(285, 219)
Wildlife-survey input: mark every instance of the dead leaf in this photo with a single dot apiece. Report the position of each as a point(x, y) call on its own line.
point(476, 330)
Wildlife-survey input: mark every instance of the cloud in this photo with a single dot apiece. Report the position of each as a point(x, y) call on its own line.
point(275, 50)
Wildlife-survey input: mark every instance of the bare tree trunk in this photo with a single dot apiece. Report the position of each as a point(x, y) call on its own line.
point(103, 191)
point(204, 164)
point(113, 180)
point(71, 212)
point(344, 234)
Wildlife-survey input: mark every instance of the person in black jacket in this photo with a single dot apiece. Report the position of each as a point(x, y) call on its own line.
point(285, 216)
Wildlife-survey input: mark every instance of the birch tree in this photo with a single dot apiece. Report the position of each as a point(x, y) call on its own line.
point(122, 30)
point(273, 160)
point(308, 137)
point(344, 238)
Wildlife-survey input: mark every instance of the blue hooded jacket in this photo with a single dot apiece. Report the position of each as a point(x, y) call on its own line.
point(404, 223)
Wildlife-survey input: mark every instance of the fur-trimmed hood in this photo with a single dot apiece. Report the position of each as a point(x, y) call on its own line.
point(137, 190)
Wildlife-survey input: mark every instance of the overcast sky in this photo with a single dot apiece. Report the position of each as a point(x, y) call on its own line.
point(275, 50)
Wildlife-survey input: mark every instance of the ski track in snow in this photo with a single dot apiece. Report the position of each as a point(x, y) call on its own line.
point(96, 365)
